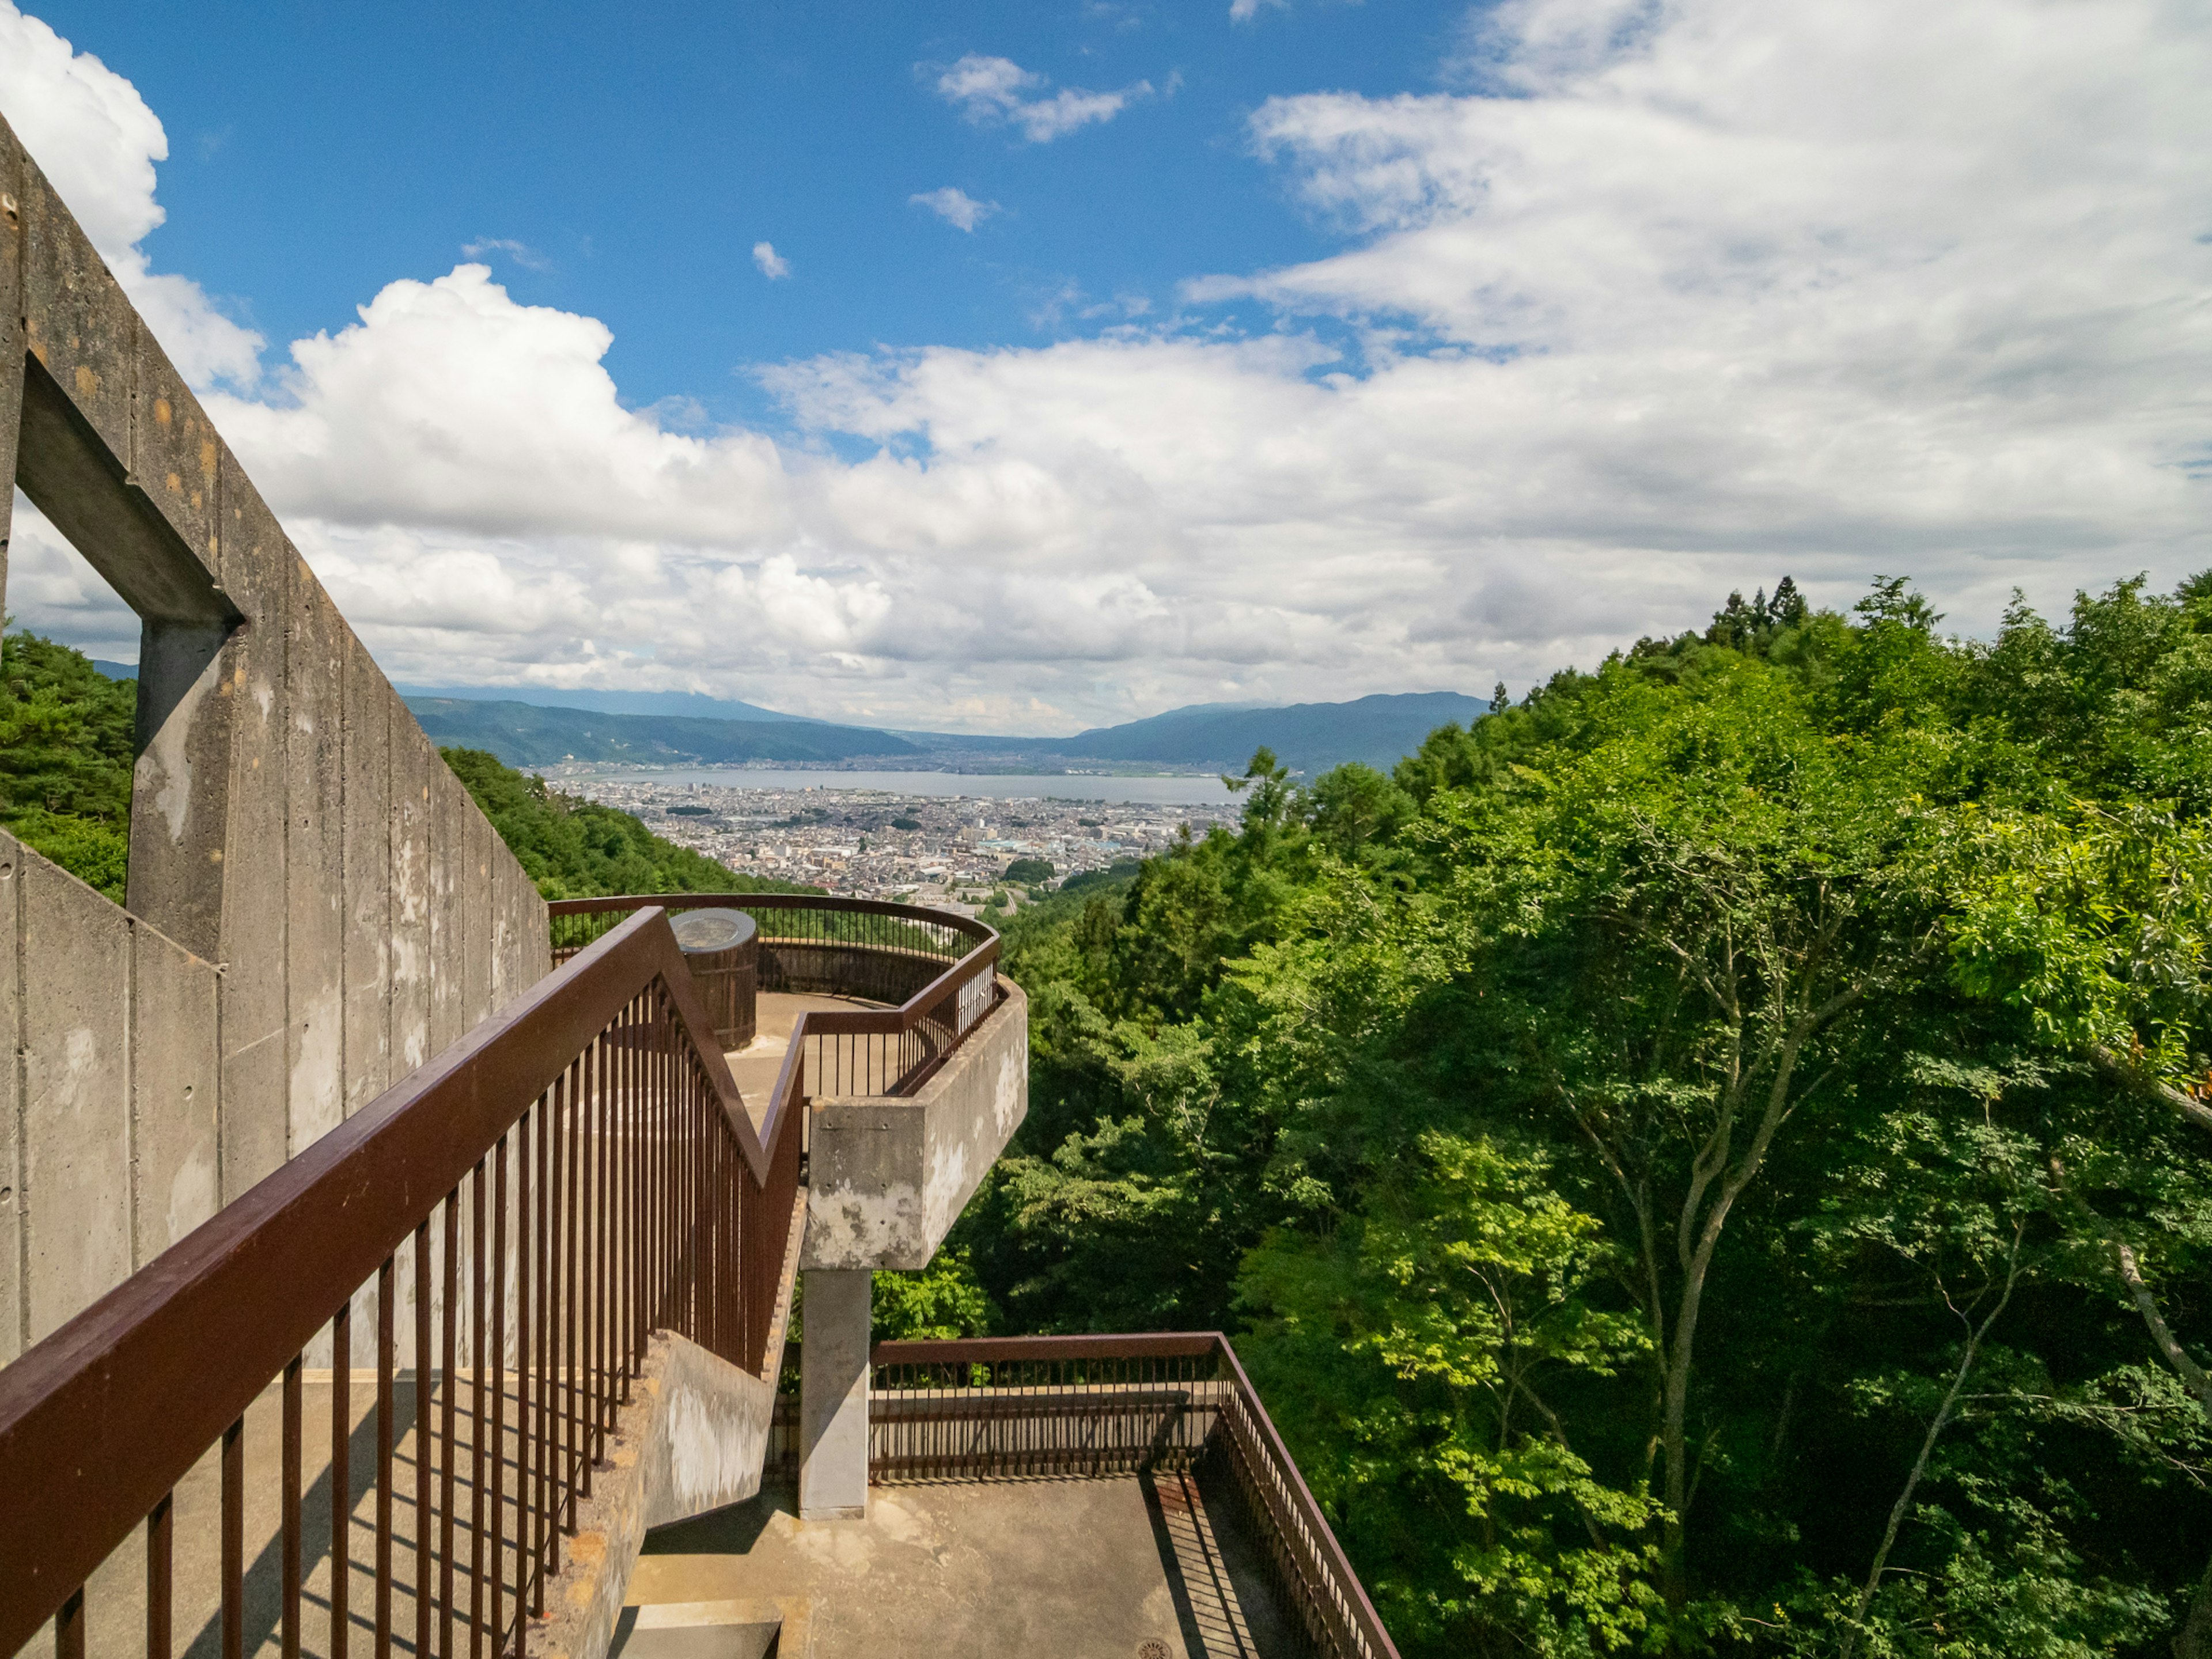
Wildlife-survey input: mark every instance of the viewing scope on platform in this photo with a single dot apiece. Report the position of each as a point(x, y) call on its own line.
point(722, 949)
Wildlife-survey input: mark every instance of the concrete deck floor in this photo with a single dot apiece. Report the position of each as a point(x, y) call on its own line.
point(1120, 1567)
point(756, 1066)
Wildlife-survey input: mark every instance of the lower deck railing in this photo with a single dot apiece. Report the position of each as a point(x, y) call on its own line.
point(1084, 1406)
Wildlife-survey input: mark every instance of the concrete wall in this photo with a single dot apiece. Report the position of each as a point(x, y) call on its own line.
point(315, 905)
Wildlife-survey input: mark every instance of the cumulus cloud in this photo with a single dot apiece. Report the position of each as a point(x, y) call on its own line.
point(1657, 303)
point(955, 206)
point(448, 403)
point(995, 91)
point(773, 266)
point(97, 142)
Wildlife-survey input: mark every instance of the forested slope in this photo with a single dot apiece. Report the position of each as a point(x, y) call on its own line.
point(65, 758)
point(1713, 1157)
point(577, 848)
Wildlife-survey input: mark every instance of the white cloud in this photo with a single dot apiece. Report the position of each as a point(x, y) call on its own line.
point(991, 91)
point(1674, 300)
point(773, 266)
point(1243, 12)
point(449, 404)
point(522, 253)
point(955, 206)
point(97, 142)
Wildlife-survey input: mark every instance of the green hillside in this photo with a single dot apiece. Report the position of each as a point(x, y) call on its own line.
point(1716, 1158)
point(575, 848)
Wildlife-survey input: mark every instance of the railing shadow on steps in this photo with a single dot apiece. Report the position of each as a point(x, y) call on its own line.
point(577, 1172)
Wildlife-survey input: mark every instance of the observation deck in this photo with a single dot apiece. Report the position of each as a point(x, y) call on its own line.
point(391, 1262)
point(574, 1239)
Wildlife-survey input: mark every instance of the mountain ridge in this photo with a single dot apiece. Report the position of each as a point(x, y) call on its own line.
point(1311, 737)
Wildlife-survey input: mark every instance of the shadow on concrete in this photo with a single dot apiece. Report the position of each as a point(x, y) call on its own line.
point(265, 1574)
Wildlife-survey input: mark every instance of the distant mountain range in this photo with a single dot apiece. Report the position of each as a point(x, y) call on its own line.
point(1311, 736)
point(529, 725)
point(692, 705)
point(525, 726)
point(531, 734)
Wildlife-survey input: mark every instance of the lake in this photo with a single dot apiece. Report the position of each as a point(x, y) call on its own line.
point(981, 785)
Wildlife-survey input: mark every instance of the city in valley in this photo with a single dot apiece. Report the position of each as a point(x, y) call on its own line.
point(950, 851)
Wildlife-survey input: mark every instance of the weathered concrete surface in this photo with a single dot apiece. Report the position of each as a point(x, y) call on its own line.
point(716, 1630)
point(756, 1066)
point(1076, 1567)
point(890, 1176)
point(833, 1393)
point(716, 1439)
point(112, 1156)
point(315, 906)
point(693, 1439)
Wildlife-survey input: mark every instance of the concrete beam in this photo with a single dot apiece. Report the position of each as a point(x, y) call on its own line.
point(889, 1176)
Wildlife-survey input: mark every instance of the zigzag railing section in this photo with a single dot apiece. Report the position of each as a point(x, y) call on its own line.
point(577, 1172)
point(936, 970)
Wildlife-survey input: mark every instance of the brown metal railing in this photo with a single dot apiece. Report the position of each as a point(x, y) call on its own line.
point(1034, 1406)
point(515, 1218)
point(937, 970)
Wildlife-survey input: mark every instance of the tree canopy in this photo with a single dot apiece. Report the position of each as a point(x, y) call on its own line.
point(66, 751)
point(1713, 1156)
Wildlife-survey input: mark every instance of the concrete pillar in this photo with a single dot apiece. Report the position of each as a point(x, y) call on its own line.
point(833, 1394)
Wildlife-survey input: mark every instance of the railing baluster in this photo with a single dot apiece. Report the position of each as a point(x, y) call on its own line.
point(68, 1627)
point(547, 1187)
point(386, 1287)
point(476, 1410)
point(449, 1334)
point(423, 1462)
point(160, 1526)
point(523, 1445)
point(494, 1625)
point(340, 1473)
point(233, 1543)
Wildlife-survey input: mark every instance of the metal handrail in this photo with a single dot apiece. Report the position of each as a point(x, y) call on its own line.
point(927, 1027)
point(1146, 1375)
point(677, 1213)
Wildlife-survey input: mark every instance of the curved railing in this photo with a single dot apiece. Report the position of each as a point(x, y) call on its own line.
point(517, 1217)
point(936, 970)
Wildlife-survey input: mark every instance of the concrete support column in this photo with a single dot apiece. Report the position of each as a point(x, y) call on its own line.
point(833, 1393)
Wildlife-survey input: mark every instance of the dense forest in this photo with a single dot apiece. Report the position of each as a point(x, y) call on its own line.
point(65, 758)
point(1711, 1157)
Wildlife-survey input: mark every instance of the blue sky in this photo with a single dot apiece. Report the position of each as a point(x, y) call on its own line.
point(637, 154)
point(1029, 368)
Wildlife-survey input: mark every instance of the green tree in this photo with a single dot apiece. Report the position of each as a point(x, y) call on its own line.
point(66, 752)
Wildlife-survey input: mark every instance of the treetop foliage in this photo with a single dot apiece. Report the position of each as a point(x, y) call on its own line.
point(1712, 1156)
point(66, 752)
